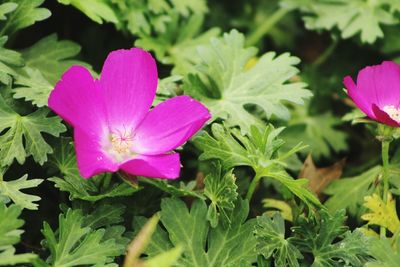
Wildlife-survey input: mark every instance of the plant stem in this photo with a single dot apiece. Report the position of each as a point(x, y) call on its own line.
point(385, 176)
point(385, 162)
point(253, 186)
point(264, 28)
point(326, 54)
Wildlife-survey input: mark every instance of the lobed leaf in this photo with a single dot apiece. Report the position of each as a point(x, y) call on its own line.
point(225, 86)
point(26, 13)
point(11, 235)
point(22, 135)
point(204, 246)
point(12, 189)
point(221, 189)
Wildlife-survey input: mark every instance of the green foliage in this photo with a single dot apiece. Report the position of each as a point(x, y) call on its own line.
point(178, 45)
point(45, 62)
point(204, 246)
point(355, 17)
point(94, 189)
point(97, 10)
point(318, 132)
point(139, 244)
point(225, 85)
point(9, 60)
point(258, 150)
point(175, 189)
point(24, 15)
point(384, 254)
point(271, 241)
point(382, 213)
point(6, 8)
point(23, 134)
point(12, 190)
point(221, 190)
point(85, 240)
point(350, 192)
point(319, 236)
point(147, 16)
point(205, 222)
point(10, 235)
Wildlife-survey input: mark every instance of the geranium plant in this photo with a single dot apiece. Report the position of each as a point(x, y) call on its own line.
point(143, 133)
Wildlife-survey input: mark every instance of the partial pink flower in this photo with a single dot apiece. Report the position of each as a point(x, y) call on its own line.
point(377, 92)
point(113, 126)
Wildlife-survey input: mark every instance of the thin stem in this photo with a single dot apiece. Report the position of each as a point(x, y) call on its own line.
point(385, 176)
point(326, 54)
point(385, 162)
point(264, 28)
point(253, 186)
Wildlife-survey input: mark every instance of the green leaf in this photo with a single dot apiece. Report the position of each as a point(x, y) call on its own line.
point(9, 224)
point(381, 213)
point(93, 189)
point(22, 135)
point(297, 186)
point(11, 235)
point(139, 244)
point(350, 192)
point(6, 8)
point(350, 17)
point(10, 60)
point(45, 62)
point(258, 150)
point(226, 86)
point(52, 57)
point(204, 246)
point(12, 189)
point(271, 241)
point(178, 44)
point(159, 16)
point(27, 13)
point(165, 259)
point(9, 258)
point(175, 189)
point(33, 87)
point(224, 147)
point(384, 254)
point(186, 6)
point(330, 243)
point(221, 189)
point(97, 10)
point(76, 243)
point(316, 131)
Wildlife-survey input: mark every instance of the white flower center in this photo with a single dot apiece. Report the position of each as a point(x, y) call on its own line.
point(393, 112)
point(119, 144)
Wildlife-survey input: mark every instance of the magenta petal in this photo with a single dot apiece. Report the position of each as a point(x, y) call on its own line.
point(380, 84)
point(383, 117)
point(129, 80)
point(159, 166)
point(358, 97)
point(91, 159)
point(169, 125)
point(78, 100)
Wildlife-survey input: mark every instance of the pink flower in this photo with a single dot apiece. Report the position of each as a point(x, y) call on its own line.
point(113, 126)
point(377, 92)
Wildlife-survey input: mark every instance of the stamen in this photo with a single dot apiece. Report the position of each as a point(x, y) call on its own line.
point(393, 112)
point(119, 144)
